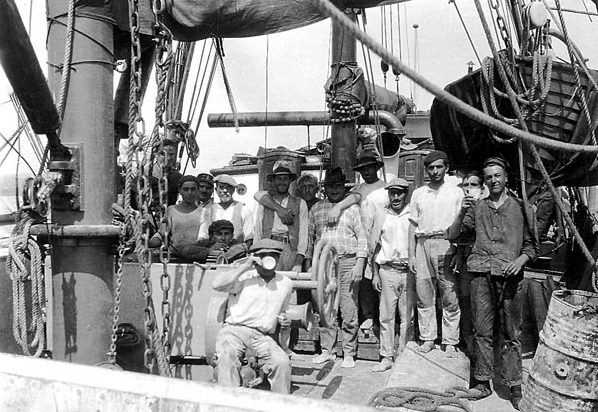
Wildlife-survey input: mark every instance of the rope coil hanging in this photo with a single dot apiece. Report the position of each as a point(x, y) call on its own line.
point(24, 266)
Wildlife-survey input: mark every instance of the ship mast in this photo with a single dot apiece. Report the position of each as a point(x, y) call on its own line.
point(344, 135)
point(83, 252)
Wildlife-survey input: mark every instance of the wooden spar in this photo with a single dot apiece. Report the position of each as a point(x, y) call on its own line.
point(344, 135)
point(83, 266)
point(307, 118)
point(26, 77)
point(24, 72)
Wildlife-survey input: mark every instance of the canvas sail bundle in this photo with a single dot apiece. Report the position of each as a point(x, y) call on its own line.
point(191, 20)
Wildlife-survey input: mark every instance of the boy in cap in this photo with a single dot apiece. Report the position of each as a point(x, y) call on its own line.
point(223, 244)
point(257, 304)
point(389, 242)
point(230, 209)
point(433, 209)
point(504, 243)
point(268, 224)
point(349, 238)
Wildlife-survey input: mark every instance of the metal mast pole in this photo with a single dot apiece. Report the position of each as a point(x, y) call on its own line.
point(83, 255)
point(344, 135)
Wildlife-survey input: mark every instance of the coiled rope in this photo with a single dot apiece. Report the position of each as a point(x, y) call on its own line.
point(327, 8)
point(420, 399)
point(24, 266)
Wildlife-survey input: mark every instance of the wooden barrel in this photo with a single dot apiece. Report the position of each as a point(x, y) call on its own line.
point(564, 375)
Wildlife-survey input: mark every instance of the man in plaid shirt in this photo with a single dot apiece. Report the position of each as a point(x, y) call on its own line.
point(348, 236)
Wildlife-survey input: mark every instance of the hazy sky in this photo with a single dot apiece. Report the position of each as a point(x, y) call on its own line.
point(298, 67)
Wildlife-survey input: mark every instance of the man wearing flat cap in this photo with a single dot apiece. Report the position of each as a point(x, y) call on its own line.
point(257, 303)
point(389, 243)
point(268, 224)
point(348, 237)
point(504, 243)
point(433, 209)
point(230, 209)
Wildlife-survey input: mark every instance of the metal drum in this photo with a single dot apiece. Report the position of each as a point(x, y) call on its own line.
point(564, 375)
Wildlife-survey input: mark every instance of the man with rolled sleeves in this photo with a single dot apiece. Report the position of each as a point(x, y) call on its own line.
point(504, 243)
point(389, 243)
point(257, 303)
point(433, 209)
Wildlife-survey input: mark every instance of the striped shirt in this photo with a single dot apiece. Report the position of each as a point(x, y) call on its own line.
point(347, 236)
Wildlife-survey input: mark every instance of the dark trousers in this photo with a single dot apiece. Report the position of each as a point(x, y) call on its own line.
point(495, 299)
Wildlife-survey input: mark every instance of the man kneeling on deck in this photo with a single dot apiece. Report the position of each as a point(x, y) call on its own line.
point(504, 243)
point(389, 242)
point(257, 302)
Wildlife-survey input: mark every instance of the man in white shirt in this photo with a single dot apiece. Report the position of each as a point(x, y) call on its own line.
point(373, 199)
point(233, 211)
point(433, 209)
point(257, 303)
point(389, 242)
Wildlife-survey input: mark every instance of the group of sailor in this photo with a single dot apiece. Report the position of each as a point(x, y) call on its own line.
point(448, 239)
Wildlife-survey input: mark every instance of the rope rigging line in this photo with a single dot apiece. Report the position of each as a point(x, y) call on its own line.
point(229, 92)
point(327, 8)
point(267, 84)
point(580, 93)
point(534, 150)
point(466, 31)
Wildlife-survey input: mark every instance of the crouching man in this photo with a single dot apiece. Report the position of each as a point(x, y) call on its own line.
point(257, 303)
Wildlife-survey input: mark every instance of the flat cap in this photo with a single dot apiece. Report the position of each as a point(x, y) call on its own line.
point(226, 179)
point(221, 224)
point(397, 183)
point(283, 167)
point(366, 159)
point(266, 246)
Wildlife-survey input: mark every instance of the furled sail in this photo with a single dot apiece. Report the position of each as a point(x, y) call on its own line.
point(191, 20)
point(556, 115)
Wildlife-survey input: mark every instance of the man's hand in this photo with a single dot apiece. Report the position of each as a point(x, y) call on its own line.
point(467, 202)
point(296, 268)
point(334, 214)
point(286, 216)
point(412, 265)
point(219, 246)
point(515, 266)
point(456, 262)
point(377, 282)
point(284, 320)
point(357, 272)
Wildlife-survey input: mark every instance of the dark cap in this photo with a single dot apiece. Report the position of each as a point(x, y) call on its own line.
point(221, 224)
point(367, 159)
point(335, 176)
point(397, 183)
point(433, 156)
point(205, 177)
point(495, 161)
point(266, 246)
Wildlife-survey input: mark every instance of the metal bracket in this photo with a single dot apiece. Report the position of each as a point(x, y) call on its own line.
point(67, 174)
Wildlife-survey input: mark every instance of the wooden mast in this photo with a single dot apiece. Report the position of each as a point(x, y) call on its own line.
point(344, 134)
point(83, 255)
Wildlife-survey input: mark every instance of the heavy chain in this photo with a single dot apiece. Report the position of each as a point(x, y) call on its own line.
point(163, 63)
